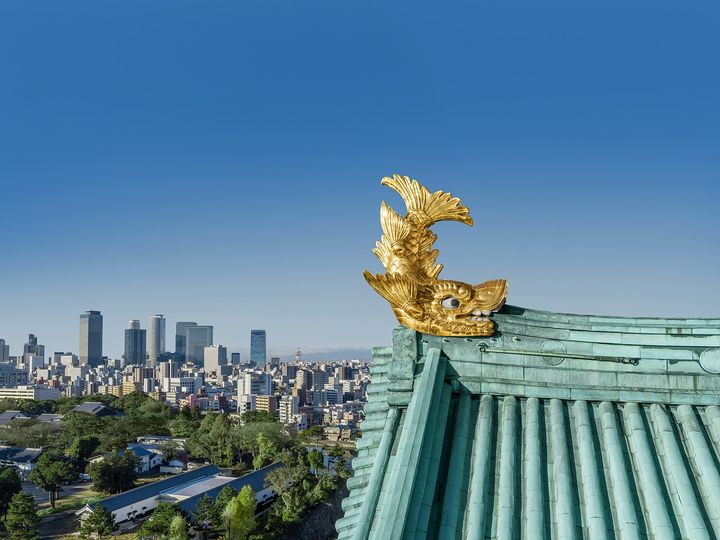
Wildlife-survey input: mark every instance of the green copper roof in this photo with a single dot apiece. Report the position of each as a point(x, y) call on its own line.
point(559, 426)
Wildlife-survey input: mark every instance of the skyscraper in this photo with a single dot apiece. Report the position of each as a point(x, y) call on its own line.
point(198, 337)
point(91, 337)
point(156, 338)
point(181, 339)
point(135, 344)
point(4, 351)
point(258, 350)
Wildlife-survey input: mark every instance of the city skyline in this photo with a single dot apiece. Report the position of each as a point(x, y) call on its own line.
point(285, 351)
point(591, 165)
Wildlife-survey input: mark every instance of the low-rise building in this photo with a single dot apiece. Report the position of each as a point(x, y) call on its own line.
point(23, 459)
point(37, 393)
point(184, 489)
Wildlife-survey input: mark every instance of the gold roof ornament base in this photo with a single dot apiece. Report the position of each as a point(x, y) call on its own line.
point(419, 299)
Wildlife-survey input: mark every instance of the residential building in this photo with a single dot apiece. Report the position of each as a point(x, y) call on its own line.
point(135, 344)
point(258, 348)
point(288, 408)
point(156, 338)
point(266, 403)
point(91, 338)
point(198, 337)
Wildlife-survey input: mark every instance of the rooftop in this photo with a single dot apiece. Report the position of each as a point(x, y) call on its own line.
point(19, 455)
point(558, 425)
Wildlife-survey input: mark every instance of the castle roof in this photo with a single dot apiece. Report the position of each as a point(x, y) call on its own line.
point(557, 426)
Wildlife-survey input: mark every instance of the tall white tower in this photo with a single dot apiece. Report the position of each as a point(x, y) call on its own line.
point(156, 338)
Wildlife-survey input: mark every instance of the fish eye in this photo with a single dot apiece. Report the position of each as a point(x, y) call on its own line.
point(450, 303)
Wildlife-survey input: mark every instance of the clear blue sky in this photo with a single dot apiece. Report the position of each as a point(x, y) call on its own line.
point(220, 161)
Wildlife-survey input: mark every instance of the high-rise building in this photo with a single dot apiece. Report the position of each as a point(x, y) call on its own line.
point(91, 338)
point(31, 348)
point(4, 351)
point(156, 338)
point(135, 344)
point(181, 339)
point(258, 349)
point(214, 357)
point(235, 359)
point(198, 337)
point(274, 362)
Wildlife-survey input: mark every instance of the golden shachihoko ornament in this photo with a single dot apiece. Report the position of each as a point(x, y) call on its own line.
point(420, 299)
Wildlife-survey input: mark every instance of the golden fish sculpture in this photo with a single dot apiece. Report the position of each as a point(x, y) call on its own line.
point(420, 299)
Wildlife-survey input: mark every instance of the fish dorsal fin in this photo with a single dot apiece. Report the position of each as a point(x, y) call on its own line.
point(395, 231)
point(425, 208)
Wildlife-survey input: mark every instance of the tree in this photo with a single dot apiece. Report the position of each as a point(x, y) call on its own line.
point(81, 449)
point(312, 434)
point(222, 451)
point(22, 518)
point(226, 494)
point(288, 482)
point(51, 473)
point(10, 484)
point(98, 525)
point(178, 529)
point(114, 473)
point(317, 460)
point(208, 518)
point(240, 514)
point(245, 438)
point(249, 417)
point(266, 451)
point(158, 524)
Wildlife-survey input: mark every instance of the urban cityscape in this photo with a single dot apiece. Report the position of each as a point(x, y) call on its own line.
point(197, 373)
point(196, 378)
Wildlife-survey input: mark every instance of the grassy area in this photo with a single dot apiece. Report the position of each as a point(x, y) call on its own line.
point(71, 503)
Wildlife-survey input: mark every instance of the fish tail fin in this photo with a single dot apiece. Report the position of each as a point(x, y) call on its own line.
point(426, 208)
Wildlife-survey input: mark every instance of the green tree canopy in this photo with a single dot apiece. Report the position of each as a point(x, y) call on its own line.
point(22, 518)
point(239, 514)
point(98, 525)
point(158, 524)
point(208, 517)
point(317, 460)
point(249, 417)
point(226, 493)
point(9, 485)
point(114, 473)
point(81, 450)
point(178, 529)
point(289, 484)
point(51, 473)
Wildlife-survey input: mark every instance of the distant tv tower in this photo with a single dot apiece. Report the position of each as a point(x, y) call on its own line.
point(298, 356)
